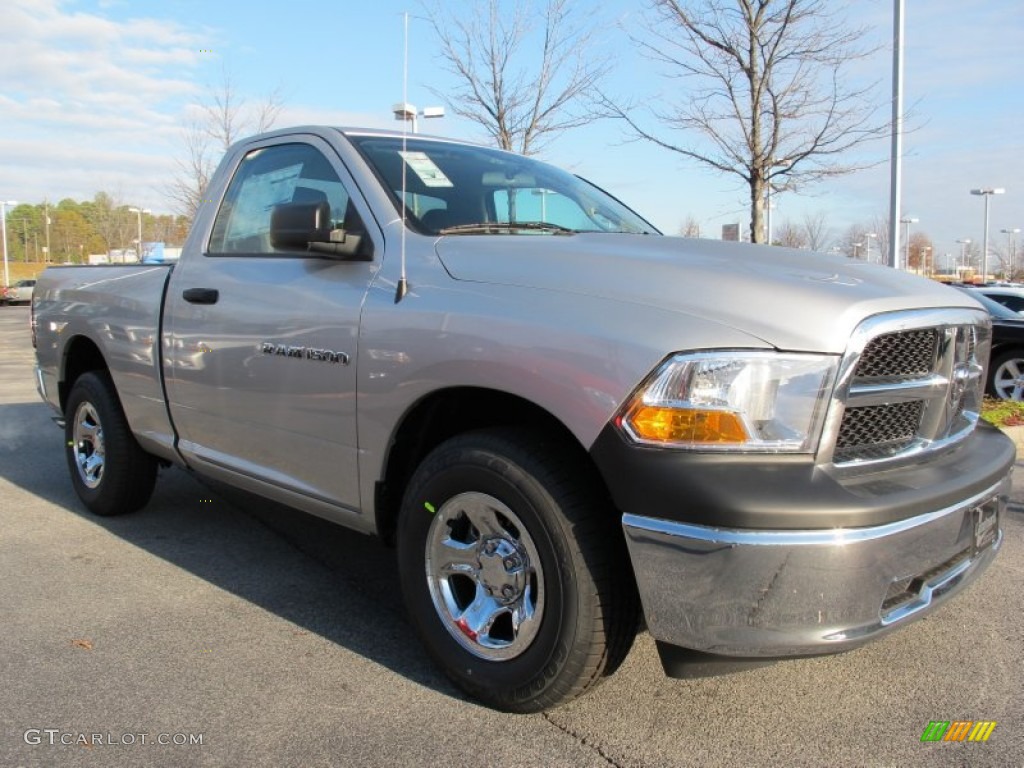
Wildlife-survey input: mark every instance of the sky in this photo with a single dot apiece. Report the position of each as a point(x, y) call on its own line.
point(95, 95)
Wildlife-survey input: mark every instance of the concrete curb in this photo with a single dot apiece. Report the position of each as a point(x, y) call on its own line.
point(1017, 435)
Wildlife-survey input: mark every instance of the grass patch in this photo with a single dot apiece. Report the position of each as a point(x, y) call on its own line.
point(1003, 413)
point(23, 271)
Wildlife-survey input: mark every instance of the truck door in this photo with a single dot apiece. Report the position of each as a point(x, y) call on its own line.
point(261, 339)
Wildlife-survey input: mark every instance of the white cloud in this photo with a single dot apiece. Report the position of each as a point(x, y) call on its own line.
point(64, 54)
point(92, 103)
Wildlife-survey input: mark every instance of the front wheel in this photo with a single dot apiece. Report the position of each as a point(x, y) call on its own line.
point(111, 474)
point(1006, 376)
point(514, 570)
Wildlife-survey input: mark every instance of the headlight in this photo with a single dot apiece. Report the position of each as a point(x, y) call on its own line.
point(738, 401)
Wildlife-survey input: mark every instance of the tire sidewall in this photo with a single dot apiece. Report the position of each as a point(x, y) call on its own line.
point(447, 473)
point(86, 390)
point(129, 474)
point(998, 363)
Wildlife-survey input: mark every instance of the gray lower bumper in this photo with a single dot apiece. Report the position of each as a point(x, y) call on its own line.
point(791, 593)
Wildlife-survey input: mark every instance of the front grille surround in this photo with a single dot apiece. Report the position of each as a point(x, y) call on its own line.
point(909, 382)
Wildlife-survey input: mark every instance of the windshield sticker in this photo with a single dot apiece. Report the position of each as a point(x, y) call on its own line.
point(424, 167)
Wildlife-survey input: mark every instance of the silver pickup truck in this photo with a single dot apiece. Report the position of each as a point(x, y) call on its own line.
point(559, 416)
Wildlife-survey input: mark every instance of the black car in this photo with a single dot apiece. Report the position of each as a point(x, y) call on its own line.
point(1006, 366)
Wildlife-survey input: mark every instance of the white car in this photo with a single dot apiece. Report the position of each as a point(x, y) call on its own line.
point(1009, 296)
point(19, 293)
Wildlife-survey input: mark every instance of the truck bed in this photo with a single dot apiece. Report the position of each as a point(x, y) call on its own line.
point(115, 311)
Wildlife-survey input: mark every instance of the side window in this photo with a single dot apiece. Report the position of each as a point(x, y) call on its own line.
point(270, 177)
point(1016, 303)
point(431, 211)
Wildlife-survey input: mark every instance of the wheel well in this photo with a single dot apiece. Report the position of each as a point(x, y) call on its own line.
point(81, 356)
point(451, 412)
point(1002, 349)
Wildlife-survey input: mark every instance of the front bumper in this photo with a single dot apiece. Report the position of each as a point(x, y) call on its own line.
point(782, 593)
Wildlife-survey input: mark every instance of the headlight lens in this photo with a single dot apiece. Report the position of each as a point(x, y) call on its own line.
point(740, 401)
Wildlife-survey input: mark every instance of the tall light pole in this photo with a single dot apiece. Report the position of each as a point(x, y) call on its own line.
point(986, 192)
point(1011, 246)
point(3, 229)
point(906, 246)
point(140, 211)
point(869, 236)
point(926, 267)
point(782, 163)
point(963, 254)
point(896, 156)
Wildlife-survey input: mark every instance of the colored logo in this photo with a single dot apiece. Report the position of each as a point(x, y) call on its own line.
point(958, 730)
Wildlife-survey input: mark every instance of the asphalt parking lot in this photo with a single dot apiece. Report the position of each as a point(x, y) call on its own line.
point(214, 629)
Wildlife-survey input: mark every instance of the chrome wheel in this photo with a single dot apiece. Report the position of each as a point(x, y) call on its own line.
point(87, 445)
point(485, 577)
point(1008, 379)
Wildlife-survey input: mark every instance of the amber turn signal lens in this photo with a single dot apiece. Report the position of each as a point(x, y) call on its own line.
point(686, 425)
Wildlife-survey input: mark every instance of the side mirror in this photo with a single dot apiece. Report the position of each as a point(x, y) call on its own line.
point(308, 227)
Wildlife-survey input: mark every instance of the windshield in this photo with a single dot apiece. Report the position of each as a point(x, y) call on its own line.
point(464, 189)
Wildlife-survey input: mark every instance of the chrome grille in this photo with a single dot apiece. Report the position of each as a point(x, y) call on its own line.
point(905, 353)
point(910, 381)
point(878, 430)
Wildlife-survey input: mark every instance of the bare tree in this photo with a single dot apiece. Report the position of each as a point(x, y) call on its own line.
point(790, 235)
point(195, 167)
point(690, 227)
point(855, 242)
point(769, 100)
point(817, 231)
point(521, 96)
point(228, 116)
point(223, 118)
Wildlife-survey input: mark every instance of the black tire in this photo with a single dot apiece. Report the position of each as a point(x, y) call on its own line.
point(111, 474)
point(535, 529)
point(1006, 375)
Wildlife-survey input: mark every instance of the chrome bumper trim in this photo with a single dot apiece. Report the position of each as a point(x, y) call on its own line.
point(40, 383)
point(790, 593)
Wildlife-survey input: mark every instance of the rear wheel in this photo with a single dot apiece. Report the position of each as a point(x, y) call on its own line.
point(514, 571)
point(111, 474)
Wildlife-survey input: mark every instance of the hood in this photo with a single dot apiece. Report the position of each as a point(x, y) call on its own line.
point(791, 299)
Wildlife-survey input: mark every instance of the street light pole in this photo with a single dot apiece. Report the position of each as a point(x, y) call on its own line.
point(409, 113)
point(867, 245)
point(896, 154)
point(906, 246)
point(963, 254)
point(1011, 246)
point(986, 192)
point(3, 233)
point(781, 163)
point(140, 211)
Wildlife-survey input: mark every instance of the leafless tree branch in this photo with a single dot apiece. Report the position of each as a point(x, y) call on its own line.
point(223, 118)
point(768, 95)
point(521, 99)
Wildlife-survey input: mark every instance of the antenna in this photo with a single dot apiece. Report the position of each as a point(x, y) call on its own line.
point(403, 286)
